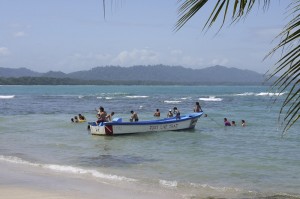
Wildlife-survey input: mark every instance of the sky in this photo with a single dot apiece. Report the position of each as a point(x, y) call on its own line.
point(73, 35)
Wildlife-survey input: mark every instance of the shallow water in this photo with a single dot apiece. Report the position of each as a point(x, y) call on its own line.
point(209, 161)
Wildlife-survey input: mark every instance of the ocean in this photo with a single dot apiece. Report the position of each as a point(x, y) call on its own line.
point(256, 161)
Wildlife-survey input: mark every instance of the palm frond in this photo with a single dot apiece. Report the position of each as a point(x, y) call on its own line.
point(241, 8)
point(187, 10)
point(288, 67)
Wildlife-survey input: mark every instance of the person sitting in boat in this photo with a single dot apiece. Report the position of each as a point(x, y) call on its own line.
point(134, 117)
point(156, 113)
point(197, 107)
point(176, 112)
point(226, 122)
point(170, 114)
point(101, 115)
point(109, 116)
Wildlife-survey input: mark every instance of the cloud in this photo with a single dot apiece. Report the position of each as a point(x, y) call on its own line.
point(265, 34)
point(90, 56)
point(19, 34)
point(136, 56)
point(219, 61)
point(198, 60)
point(178, 57)
point(173, 57)
point(176, 52)
point(144, 56)
point(83, 61)
point(4, 51)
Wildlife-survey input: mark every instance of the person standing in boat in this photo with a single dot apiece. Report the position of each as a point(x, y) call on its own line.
point(176, 112)
point(156, 113)
point(197, 107)
point(134, 117)
point(170, 114)
point(101, 115)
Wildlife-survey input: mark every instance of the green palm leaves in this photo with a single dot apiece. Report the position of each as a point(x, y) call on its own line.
point(239, 9)
point(288, 67)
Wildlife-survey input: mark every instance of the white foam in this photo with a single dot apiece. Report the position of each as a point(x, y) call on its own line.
point(6, 96)
point(220, 189)
point(170, 184)
point(66, 169)
point(137, 96)
point(259, 94)
point(269, 94)
point(245, 94)
point(172, 101)
point(77, 170)
point(211, 98)
point(16, 160)
point(186, 98)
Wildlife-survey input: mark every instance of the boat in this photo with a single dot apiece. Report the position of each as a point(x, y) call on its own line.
point(81, 121)
point(118, 127)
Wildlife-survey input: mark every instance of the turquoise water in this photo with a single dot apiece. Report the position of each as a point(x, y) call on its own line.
point(209, 161)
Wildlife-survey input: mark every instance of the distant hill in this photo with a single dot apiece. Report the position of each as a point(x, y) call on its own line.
point(55, 74)
point(162, 73)
point(157, 73)
point(18, 72)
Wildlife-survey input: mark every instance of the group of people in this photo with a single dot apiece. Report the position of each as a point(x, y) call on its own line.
point(102, 116)
point(78, 118)
point(232, 123)
point(169, 114)
point(134, 116)
point(176, 112)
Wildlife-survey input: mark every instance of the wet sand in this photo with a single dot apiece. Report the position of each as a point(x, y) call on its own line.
point(19, 181)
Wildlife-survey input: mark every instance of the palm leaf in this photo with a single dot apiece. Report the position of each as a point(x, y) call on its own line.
point(241, 8)
point(187, 10)
point(289, 68)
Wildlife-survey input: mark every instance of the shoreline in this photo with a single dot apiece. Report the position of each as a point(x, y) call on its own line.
point(19, 181)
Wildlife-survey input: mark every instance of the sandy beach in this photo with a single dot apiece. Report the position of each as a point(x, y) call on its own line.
point(19, 181)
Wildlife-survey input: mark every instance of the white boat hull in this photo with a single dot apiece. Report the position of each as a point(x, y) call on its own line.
point(168, 124)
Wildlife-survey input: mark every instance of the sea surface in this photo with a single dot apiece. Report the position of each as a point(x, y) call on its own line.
point(256, 161)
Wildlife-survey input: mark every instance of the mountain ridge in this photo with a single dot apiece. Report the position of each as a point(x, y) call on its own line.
point(151, 73)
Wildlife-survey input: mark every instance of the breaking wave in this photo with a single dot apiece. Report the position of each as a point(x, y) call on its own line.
point(211, 99)
point(66, 169)
point(259, 94)
point(6, 96)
